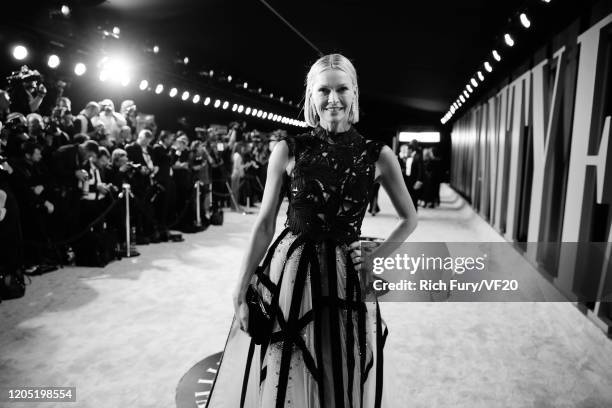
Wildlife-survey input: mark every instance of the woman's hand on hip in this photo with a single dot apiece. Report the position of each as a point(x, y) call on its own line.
point(355, 254)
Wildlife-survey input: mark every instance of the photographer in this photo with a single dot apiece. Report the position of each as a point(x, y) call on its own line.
point(109, 119)
point(164, 157)
point(120, 172)
point(83, 122)
point(94, 191)
point(139, 154)
point(218, 175)
point(69, 164)
point(129, 111)
point(11, 240)
point(15, 133)
point(31, 184)
point(26, 90)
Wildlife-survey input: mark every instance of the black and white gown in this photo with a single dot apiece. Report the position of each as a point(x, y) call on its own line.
point(326, 350)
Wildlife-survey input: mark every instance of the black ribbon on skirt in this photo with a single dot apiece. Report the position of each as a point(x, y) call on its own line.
point(291, 328)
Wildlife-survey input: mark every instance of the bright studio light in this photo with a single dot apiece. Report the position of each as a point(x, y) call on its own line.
point(207, 101)
point(509, 40)
point(229, 78)
point(217, 103)
point(453, 109)
point(116, 30)
point(245, 85)
point(474, 82)
point(225, 105)
point(155, 49)
point(159, 89)
point(248, 110)
point(186, 60)
point(480, 76)
point(115, 69)
point(173, 92)
point(525, 20)
point(185, 96)
point(496, 55)
point(196, 98)
point(65, 10)
point(488, 66)
point(240, 108)
point(234, 107)
point(53, 61)
point(80, 68)
point(265, 115)
point(259, 113)
point(469, 88)
point(462, 98)
point(20, 52)
point(254, 112)
point(143, 84)
point(466, 94)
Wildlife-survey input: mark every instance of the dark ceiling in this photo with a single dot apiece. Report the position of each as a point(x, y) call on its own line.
point(412, 57)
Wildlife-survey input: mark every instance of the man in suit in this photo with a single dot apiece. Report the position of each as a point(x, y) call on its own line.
point(411, 164)
point(69, 162)
point(139, 153)
point(164, 157)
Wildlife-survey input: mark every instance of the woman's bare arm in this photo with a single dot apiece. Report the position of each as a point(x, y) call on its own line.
point(265, 225)
point(392, 181)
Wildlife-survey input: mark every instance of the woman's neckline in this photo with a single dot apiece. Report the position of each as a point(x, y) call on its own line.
point(344, 137)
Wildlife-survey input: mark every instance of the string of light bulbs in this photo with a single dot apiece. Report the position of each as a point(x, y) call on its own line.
point(118, 71)
point(479, 76)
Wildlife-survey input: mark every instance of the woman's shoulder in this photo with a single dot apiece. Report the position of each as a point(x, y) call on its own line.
point(373, 149)
point(296, 142)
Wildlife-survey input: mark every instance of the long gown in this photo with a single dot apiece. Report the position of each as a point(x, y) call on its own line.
point(326, 350)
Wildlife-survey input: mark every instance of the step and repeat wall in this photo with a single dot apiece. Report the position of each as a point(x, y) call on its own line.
point(534, 158)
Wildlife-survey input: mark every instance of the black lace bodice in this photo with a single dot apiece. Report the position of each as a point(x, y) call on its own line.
point(330, 182)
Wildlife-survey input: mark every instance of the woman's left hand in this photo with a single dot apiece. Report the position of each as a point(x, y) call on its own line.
point(355, 254)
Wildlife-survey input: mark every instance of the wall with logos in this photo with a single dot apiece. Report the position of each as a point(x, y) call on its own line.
point(535, 159)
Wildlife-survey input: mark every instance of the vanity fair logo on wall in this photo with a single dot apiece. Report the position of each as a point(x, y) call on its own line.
point(533, 156)
point(193, 390)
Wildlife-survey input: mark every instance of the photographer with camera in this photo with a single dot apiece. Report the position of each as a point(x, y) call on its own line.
point(111, 121)
point(26, 90)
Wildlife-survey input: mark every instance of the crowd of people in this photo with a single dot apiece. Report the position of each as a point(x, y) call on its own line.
point(64, 172)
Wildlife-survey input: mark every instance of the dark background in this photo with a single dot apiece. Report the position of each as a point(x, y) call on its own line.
point(413, 58)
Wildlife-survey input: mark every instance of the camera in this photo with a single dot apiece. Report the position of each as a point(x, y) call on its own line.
point(133, 166)
point(24, 75)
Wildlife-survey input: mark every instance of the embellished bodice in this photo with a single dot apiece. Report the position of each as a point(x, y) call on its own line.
point(330, 183)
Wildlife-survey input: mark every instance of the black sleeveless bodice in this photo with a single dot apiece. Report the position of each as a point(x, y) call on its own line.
point(329, 184)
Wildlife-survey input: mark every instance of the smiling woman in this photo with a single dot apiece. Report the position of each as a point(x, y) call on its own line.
point(315, 341)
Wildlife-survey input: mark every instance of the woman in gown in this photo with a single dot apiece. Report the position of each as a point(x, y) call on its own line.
point(326, 348)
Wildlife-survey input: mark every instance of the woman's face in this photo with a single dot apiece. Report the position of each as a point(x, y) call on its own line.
point(333, 94)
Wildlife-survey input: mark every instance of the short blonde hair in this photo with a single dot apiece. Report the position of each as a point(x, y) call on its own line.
point(330, 61)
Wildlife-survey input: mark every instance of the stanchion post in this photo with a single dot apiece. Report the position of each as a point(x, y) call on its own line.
point(197, 206)
point(234, 200)
point(128, 230)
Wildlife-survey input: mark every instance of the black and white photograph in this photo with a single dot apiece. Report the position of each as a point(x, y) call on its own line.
point(323, 204)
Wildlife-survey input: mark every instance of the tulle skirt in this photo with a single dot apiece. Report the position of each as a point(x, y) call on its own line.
point(326, 350)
